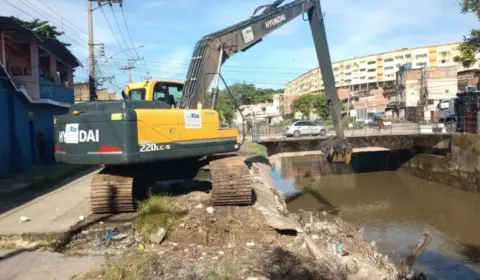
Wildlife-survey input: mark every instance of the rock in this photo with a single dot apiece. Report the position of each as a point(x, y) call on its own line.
point(158, 237)
point(199, 206)
point(81, 218)
point(197, 196)
point(221, 253)
point(315, 237)
point(256, 278)
point(24, 219)
point(210, 210)
point(250, 244)
point(351, 265)
point(119, 237)
point(268, 239)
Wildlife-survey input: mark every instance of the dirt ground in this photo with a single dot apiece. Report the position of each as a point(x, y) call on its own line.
point(228, 243)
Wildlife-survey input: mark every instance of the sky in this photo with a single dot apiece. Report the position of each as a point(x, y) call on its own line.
point(168, 30)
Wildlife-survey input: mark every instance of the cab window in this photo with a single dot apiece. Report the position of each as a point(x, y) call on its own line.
point(137, 94)
point(166, 92)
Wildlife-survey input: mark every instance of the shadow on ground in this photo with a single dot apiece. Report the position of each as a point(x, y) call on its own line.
point(18, 198)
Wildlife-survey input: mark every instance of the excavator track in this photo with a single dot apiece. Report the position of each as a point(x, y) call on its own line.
point(111, 193)
point(231, 181)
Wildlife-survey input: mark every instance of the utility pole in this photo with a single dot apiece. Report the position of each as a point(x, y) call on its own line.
point(130, 66)
point(91, 45)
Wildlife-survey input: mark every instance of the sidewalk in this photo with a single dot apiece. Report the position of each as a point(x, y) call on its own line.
point(38, 177)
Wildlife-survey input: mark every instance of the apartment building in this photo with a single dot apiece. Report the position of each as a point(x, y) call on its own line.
point(361, 74)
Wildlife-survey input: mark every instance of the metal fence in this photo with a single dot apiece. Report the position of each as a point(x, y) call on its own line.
point(468, 125)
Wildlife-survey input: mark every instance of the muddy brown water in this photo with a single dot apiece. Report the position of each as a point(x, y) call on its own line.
point(394, 209)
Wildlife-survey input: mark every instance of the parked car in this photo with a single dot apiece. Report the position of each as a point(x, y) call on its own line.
point(300, 128)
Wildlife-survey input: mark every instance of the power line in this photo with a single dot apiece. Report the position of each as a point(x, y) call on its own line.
point(131, 41)
point(118, 26)
point(64, 20)
point(21, 10)
point(111, 29)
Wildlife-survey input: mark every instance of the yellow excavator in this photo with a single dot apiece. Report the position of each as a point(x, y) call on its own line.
point(149, 137)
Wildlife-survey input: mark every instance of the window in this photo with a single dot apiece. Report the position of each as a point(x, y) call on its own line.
point(371, 62)
point(408, 55)
point(137, 94)
point(347, 67)
point(399, 57)
point(348, 74)
point(421, 64)
point(389, 68)
point(167, 92)
point(371, 70)
point(422, 55)
point(363, 70)
point(445, 53)
point(348, 81)
point(371, 78)
point(362, 78)
point(388, 59)
point(335, 69)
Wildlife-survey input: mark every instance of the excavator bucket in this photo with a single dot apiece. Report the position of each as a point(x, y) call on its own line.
point(341, 157)
point(337, 150)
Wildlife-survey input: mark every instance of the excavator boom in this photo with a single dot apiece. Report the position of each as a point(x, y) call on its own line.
point(214, 49)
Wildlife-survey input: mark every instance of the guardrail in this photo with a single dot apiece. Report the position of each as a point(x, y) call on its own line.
point(467, 125)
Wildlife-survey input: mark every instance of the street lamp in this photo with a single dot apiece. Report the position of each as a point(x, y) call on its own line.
point(122, 51)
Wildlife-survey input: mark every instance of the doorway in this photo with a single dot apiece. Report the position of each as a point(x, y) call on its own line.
point(31, 128)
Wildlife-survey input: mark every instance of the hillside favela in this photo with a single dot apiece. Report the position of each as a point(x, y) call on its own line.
point(239, 140)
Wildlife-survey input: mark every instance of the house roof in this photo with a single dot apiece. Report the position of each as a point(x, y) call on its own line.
point(51, 45)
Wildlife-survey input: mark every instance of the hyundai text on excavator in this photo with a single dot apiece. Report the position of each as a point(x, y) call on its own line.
point(142, 139)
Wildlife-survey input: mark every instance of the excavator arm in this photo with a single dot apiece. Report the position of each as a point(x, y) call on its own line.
point(214, 49)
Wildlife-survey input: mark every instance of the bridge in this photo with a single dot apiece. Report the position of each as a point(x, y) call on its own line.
point(426, 142)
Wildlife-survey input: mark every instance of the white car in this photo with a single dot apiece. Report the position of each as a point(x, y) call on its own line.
point(300, 128)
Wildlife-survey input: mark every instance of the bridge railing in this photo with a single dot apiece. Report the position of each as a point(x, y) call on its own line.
point(458, 125)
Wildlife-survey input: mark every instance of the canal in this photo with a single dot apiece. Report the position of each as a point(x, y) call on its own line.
point(394, 209)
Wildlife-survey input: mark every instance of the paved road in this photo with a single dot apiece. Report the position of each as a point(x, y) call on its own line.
point(54, 212)
point(44, 265)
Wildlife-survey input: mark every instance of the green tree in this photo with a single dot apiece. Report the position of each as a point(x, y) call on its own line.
point(226, 111)
point(471, 43)
point(247, 94)
point(311, 102)
point(41, 28)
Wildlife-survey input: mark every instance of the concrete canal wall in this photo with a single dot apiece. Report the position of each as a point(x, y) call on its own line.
point(460, 168)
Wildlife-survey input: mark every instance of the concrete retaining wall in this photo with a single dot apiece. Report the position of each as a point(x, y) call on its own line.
point(459, 169)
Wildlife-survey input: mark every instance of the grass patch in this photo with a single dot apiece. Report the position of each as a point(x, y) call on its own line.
point(128, 267)
point(254, 149)
point(8, 245)
point(155, 212)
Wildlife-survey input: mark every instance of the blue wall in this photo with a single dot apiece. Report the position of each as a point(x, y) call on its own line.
point(18, 149)
point(49, 90)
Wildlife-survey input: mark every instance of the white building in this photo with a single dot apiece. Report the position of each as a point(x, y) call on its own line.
point(268, 112)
